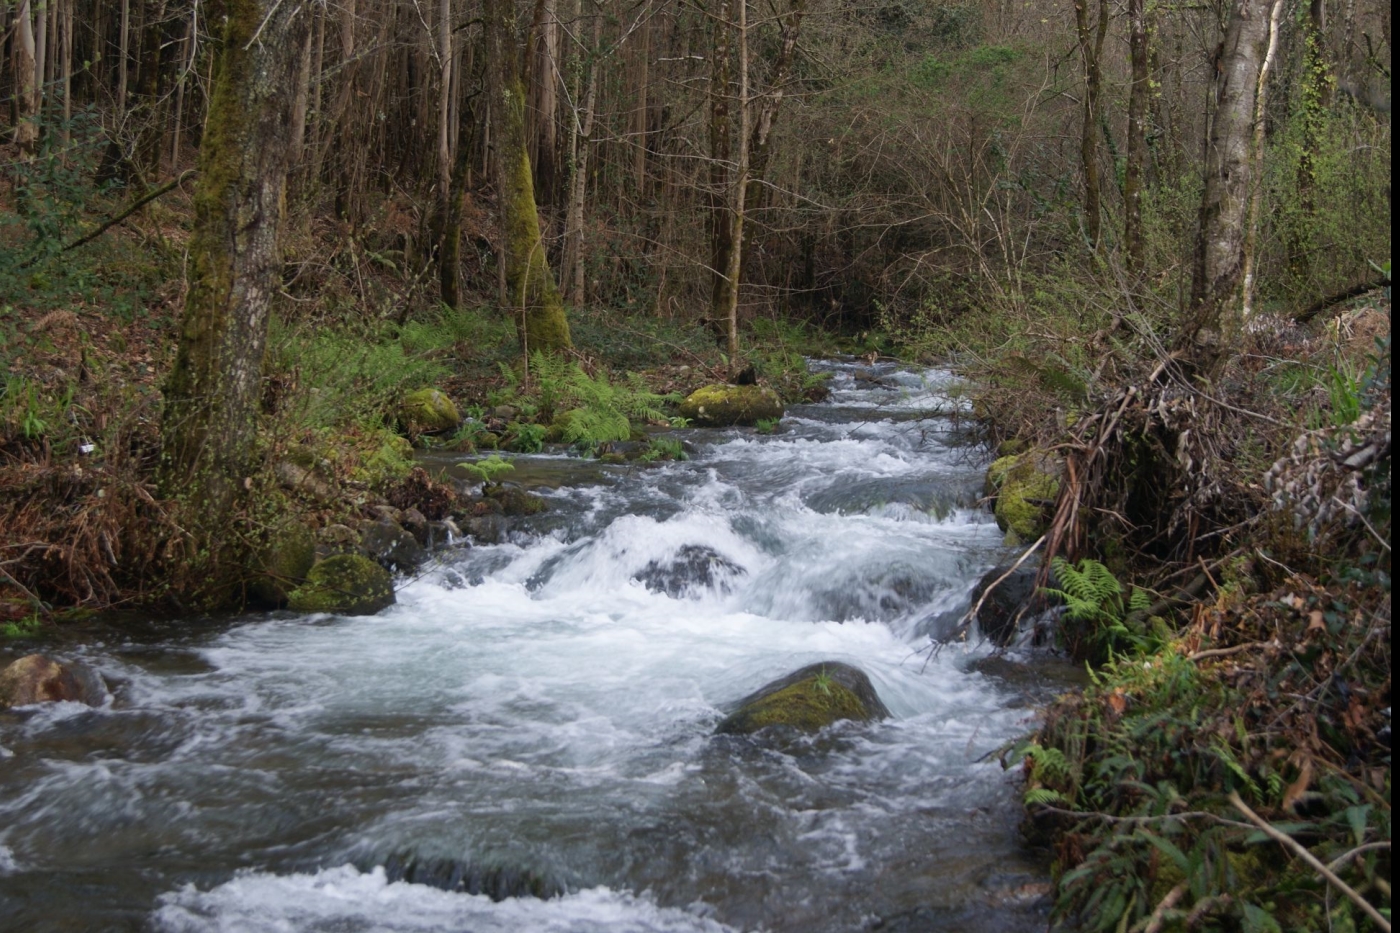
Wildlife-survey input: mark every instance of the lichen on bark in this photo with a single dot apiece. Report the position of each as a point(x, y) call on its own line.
point(208, 426)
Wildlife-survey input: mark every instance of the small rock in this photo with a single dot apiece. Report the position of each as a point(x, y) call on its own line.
point(807, 700)
point(443, 534)
point(416, 524)
point(487, 529)
point(300, 479)
point(514, 500)
point(346, 584)
point(385, 513)
point(392, 546)
point(40, 679)
point(504, 413)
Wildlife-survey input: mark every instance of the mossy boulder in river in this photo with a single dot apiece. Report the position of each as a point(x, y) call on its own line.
point(428, 411)
point(36, 678)
point(1025, 486)
point(282, 563)
point(346, 584)
point(807, 700)
point(720, 406)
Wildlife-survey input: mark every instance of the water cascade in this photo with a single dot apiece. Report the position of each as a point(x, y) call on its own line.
point(525, 741)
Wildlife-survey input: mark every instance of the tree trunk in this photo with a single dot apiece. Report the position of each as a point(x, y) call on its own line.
point(1213, 318)
point(530, 286)
point(735, 267)
point(1139, 40)
point(1315, 99)
point(721, 225)
point(545, 139)
point(211, 397)
point(151, 129)
point(1091, 50)
point(26, 82)
point(581, 147)
point(1251, 236)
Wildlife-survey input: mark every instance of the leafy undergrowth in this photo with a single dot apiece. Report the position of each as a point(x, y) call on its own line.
point(1282, 698)
point(1229, 766)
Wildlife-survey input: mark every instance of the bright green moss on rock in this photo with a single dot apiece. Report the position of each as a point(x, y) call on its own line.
point(1023, 484)
point(719, 406)
point(807, 700)
point(428, 411)
point(345, 584)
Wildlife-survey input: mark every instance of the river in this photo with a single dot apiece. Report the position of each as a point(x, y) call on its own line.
point(532, 721)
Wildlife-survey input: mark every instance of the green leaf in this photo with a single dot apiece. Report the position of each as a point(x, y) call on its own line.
point(1357, 818)
point(1169, 850)
point(1259, 920)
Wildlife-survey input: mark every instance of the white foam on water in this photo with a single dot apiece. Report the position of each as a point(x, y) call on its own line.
point(341, 899)
point(535, 705)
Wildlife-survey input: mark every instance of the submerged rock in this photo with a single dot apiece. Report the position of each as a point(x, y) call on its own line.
point(695, 567)
point(346, 584)
point(37, 678)
point(428, 411)
point(718, 406)
point(497, 882)
point(515, 500)
point(807, 700)
point(1025, 486)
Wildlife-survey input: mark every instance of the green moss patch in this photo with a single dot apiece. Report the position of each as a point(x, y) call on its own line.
point(807, 700)
point(726, 405)
point(1024, 486)
point(428, 411)
point(345, 584)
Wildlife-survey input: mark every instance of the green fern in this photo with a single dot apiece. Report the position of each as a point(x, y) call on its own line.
point(1091, 592)
point(1042, 796)
point(591, 410)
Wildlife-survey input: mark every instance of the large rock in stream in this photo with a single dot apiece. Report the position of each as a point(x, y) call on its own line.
point(807, 700)
point(720, 406)
point(345, 584)
point(40, 679)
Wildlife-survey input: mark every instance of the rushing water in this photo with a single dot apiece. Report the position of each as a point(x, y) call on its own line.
point(535, 717)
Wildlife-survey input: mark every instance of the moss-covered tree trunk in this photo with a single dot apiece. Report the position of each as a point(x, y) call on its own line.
point(530, 286)
point(212, 394)
point(1214, 318)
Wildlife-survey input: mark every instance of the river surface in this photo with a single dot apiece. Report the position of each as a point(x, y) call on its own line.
point(524, 741)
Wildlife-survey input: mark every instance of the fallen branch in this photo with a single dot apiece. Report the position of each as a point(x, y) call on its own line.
point(1331, 301)
point(1159, 916)
point(118, 218)
point(971, 614)
point(1288, 842)
point(1224, 652)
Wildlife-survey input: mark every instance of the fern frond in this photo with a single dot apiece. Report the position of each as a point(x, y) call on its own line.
point(1038, 796)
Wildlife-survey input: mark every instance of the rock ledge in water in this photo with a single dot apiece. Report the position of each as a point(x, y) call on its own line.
point(346, 584)
point(807, 700)
point(720, 406)
point(39, 679)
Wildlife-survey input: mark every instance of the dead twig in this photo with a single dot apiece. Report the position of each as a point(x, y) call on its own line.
point(1288, 842)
